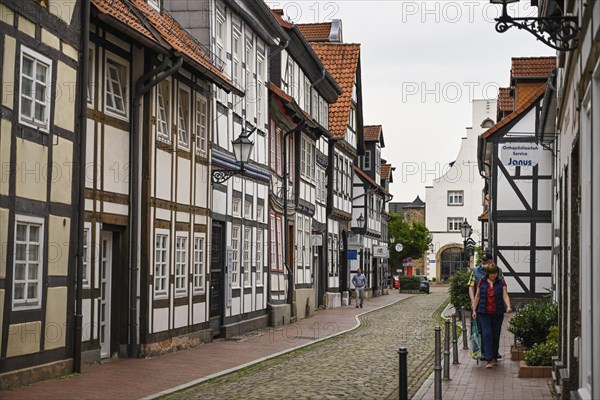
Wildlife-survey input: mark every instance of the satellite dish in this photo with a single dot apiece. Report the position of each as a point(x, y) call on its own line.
point(399, 247)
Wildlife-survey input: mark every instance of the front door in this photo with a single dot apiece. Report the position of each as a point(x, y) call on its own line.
point(106, 252)
point(216, 278)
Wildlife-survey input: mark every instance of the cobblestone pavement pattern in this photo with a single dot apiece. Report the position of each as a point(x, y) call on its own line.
point(362, 363)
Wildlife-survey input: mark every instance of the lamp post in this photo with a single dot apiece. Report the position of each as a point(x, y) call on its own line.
point(555, 31)
point(242, 148)
point(466, 231)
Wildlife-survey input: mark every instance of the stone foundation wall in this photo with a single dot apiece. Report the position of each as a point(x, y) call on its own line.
point(27, 376)
point(174, 344)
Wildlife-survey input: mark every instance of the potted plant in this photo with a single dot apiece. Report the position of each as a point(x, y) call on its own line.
point(538, 359)
point(531, 324)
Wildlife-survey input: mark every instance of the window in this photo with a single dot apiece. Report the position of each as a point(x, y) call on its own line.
point(237, 65)
point(260, 61)
point(352, 119)
point(307, 95)
point(235, 207)
point(87, 256)
point(247, 209)
point(116, 86)
point(35, 89)
point(246, 260)
point(455, 198)
point(155, 4)
point(273, 247)
point(181, 248)
point(307, 162)
point(183, 118)
point(235, 265)
point(199, 269)
point(201, 125)
point(91, 78)
point(161, 265)
point(367, 160)
point(259, 256)
point(454, 224)
point(28, 256)
point(260, 213)
point(163, 110)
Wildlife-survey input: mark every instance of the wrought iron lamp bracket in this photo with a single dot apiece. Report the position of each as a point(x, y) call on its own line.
point(221, 175)
point(555, 32)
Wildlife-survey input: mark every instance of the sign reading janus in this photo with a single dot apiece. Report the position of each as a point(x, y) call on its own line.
point(520, 154)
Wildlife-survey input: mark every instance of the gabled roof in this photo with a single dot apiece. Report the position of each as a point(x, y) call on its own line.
point(532, 67)
point(505, 100)
point(386, 172)
point(317, 32)
point(417, 203)
point(341, 60)
point(373, 133)
point(162, 29)
point(527, 103)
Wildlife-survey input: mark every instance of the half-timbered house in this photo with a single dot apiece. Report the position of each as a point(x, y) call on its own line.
point(147, 219)
point(242, 34)
point(519, 172)
point(300, 92)
point(39, 187)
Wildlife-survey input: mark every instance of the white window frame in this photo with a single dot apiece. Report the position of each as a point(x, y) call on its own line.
point(236, 205)
point(247, 257)
point(259, 256)
point(260, 66)
point(273, 240)
point(166, 106)
point(235, 264)
point(454, 223)
point(181, 263)
point(201, 124)
point(87, 253)
point(199, 277)
point(183, 134)
point(110, 58)
point(161, 290)
point(30, 120)
point(260, 213)
point(456, 197)
point(26, 303)
point(247, 209)
point(367, 160)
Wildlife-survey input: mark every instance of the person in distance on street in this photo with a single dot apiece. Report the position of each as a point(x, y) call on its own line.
point(492, 302)
point(359, 281)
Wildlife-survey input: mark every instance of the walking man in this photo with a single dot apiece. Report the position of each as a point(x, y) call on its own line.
point(359, 281)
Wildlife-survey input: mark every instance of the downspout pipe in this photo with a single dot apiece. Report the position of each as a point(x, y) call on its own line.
point(155, 76)
point(85, 50)
point(290, 297)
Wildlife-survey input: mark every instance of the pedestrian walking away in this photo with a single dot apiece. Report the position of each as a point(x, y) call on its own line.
point(359, 281)
point(477, 274)
point(492, 302)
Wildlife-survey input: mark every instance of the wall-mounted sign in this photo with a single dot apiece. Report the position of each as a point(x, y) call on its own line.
point(520, 154)
point(399, 247)
point(381, 252)
point(317, 240)
point(352, 254)
point(407, 262)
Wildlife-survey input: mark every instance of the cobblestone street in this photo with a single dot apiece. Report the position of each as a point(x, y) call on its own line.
point(359, 364)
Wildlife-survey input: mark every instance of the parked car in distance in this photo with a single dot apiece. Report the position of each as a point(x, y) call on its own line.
point(424, 287)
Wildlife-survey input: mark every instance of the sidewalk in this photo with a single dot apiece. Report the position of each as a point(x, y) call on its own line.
point(147, 378)
point(469, 381)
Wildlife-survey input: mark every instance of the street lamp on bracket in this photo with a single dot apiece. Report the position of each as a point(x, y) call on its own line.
point(242, 148)
point(555, 31)
point(466, 231)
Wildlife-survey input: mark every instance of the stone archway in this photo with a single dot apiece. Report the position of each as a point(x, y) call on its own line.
point(448, 259)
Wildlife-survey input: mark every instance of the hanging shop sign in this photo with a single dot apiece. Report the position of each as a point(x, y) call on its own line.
point(520, 154)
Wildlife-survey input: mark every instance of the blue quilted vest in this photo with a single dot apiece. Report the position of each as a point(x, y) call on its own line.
point(498, 288)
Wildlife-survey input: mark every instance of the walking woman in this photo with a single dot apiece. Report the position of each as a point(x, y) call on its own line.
point(491, 302)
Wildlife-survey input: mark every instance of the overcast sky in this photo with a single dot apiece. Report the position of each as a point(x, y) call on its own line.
point(422, 64)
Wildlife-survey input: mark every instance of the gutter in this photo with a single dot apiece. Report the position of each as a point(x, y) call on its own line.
point(156, 76)
point(85, 50)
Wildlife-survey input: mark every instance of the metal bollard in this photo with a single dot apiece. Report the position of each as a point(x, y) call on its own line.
point(437, 366)
point(403, 376)
point(447, 351)
point(464, 329)
point(454, 341)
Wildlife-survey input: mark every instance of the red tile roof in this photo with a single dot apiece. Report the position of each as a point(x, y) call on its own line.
point(133, 13)
point(386, 172)
point(317, 32)
point(372, 133)
point(505, 100)
point(526, 104)
point(341, 60)
point(532, 67)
